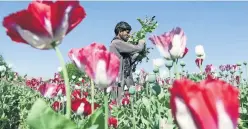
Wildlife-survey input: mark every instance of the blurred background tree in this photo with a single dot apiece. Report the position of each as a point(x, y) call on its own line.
point(74, 71)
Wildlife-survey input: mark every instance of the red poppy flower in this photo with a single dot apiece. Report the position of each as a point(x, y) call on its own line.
point(112, 121)
point(210, 104)
point(76, 94)
point(48, 90)
point(57, 105)
point(44, 23)
point(99, 64)
point(125, 101)
point(82, 106)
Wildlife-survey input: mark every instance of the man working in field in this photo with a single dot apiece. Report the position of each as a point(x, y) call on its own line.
point(127, 54)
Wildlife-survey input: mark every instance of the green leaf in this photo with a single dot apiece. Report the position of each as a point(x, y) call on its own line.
point(94, 127)
point(170, 117)
point(161, 95)
point(42, 116)
point(144, 121)
point(97, 118)
point(146, 102)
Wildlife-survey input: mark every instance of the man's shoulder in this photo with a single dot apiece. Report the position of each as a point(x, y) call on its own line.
point(116, 41)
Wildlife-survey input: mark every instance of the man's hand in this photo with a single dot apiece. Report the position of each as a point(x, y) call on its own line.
point(142, 41)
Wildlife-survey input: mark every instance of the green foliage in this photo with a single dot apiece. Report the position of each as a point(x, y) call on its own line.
point(42, 113)
point(150, 106)
point(15, 102)
point(243, 123)
point(97, 119)
point(196, 77)
point(2, 62)
point(9, 104)
point(42, 116)
point(148, 25)
point(74, 71)
point(7, 73)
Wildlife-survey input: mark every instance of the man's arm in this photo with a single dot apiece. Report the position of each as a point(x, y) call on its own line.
point(124, 47)
point(134, 57)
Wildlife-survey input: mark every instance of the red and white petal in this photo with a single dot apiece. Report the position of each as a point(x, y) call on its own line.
point(221, 93)
point(162, 43)
point(89, 58)
point(190, 95)
point(183, 115)
point(66, 15)
point(186, 50)
point(107, 67)
point(75, 55)
point(20, 21)
point(176, 49)
point(34, 40)
point(77, 106)
point(42, 13)
point(80, 109)
point(101, 76)
point(113, 67)
point(50, 92)
point(224, 121)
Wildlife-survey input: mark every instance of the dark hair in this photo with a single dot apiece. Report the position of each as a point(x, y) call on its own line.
point(122, 26)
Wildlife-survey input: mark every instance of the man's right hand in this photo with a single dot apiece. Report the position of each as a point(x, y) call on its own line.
point(142, 41)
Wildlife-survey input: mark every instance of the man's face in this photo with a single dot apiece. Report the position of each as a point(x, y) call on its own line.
point(124, 35)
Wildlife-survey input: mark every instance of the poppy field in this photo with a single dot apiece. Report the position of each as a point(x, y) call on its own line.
point(82, 93)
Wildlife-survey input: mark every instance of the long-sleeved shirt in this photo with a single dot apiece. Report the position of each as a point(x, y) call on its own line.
point(127, 54)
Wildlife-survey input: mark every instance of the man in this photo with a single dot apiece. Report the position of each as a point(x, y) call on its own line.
point(127, 54)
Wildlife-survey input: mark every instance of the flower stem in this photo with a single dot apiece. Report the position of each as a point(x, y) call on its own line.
point(133, 120)
point(147, 88)
point(200, 64)
point(67, 86)
point(92, 95)
point(201, 71)
point(176, 69)
point(106, 108)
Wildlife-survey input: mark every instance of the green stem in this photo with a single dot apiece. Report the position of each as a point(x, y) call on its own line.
point(200, 66)
point(159, 111)
point(176, 69)
point(66, 79)
point(133, 120)
point(147, 88)
point(92, 95)
point(106, 108)
point(150, 94)
point(135, 95)
point(240, 82)
point(201, 72)
point(170, 75)
point(182, 73)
